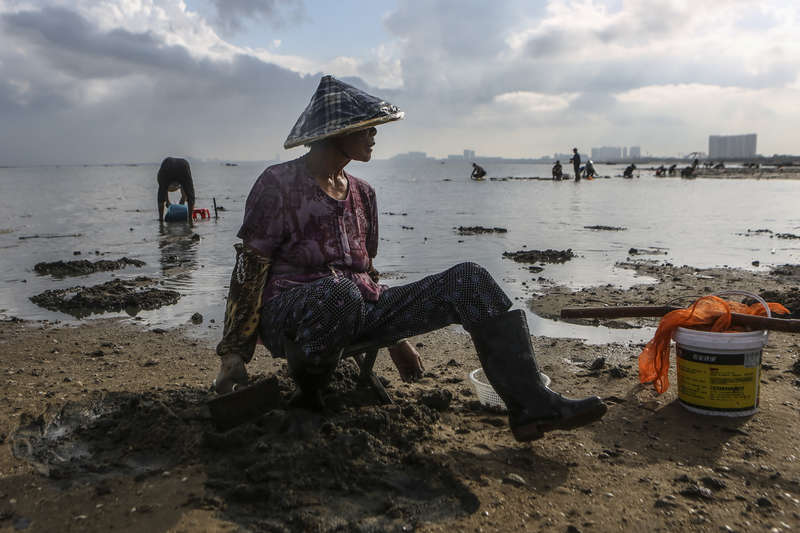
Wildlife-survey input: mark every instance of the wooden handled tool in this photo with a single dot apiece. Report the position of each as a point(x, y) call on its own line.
point(738, 319)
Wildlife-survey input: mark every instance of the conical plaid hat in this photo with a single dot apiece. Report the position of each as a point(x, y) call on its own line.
point(338, 108)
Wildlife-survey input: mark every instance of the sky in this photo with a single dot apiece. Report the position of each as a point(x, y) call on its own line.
point(115, 81)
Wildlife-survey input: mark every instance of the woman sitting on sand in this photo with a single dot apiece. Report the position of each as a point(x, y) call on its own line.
point(301, 279)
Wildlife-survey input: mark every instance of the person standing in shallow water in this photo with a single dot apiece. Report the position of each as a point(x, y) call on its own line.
point(173, 174)
point(301, 279)
point(576, 163)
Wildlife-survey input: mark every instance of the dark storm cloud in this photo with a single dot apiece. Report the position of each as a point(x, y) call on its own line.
point(74, 93)
point(72, 45)
point(232, 14)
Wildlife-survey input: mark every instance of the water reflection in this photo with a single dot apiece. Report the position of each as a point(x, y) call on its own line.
point(177, 244)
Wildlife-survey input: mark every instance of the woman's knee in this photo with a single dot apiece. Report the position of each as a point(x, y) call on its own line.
point(341, 292)
point(338, 300)
point(471, 270)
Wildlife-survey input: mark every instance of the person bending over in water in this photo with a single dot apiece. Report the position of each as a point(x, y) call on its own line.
point(558, 172)
point(590, 171)
point(477, 172)
point(301, 282)
point(175, 174)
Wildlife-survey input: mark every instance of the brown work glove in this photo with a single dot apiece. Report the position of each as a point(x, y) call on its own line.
point(407, 361)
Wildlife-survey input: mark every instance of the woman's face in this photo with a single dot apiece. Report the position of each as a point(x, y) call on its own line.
point(358, 145)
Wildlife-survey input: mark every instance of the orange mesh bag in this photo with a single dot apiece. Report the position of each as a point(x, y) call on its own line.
point(709, 313)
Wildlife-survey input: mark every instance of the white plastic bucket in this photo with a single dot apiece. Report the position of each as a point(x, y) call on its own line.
point(719, 373)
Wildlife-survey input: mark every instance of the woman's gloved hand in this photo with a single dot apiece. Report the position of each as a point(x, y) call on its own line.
point(232, 375)
point(406, 358)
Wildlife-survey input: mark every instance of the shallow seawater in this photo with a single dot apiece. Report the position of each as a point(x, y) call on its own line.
point(54, 213)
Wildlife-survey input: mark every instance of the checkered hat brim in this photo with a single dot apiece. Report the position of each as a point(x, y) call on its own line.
point(338, 108)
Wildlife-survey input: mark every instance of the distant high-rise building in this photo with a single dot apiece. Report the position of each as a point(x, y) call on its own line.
point(411, 155)
point(624, 152)
point(731, 146)
point(469, 154)
point(606, 153)
point(635, 152)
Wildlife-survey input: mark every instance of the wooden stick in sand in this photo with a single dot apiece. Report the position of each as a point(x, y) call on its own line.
point(739, 319)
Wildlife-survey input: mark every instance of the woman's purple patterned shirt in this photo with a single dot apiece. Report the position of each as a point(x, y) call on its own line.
point(308, 234)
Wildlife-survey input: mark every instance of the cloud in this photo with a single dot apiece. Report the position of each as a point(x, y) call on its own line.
point(594, 53)
point(231, 15)
point(123, 80)
point(76, 93)
point(527, 102)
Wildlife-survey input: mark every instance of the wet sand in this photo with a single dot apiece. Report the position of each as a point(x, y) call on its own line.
point(104, 426)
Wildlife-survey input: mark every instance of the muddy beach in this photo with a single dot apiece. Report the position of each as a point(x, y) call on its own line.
point(115, 295)
point(83, 267)
point(104, 426)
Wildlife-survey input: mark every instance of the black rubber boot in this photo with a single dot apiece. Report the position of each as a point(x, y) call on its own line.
point(311, 379)
point(504, 348)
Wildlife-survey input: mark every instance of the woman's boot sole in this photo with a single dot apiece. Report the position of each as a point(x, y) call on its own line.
point(536, 430)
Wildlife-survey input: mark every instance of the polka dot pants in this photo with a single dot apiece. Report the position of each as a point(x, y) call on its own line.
point(330, 313)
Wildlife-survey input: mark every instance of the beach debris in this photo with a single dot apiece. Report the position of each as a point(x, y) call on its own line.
point(83, 267)
point(478, 230)
point(617, 372)
point(663, 503)
point(606, 228)
point(772, 234)
point(647, 251)
point(713, 483)
point(116, 295)
point(753, 232)
point(790, 298)
point(197, 318)
point(438, 399)
point(540, 256)
point(764, 502)
point(514, 479)
point(697, 492)
point(597, 364)
point(49, 236)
